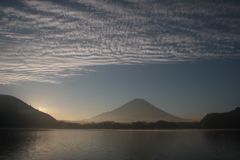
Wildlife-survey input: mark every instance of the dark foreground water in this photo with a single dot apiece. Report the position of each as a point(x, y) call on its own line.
point(25, 144)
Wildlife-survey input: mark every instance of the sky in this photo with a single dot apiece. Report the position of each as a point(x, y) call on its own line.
point(75, 59)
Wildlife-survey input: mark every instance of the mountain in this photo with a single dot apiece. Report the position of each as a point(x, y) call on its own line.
point(136, 110)
point(229, 119)
point(16, 113)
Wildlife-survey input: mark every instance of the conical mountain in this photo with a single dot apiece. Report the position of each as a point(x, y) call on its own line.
point(136, 110)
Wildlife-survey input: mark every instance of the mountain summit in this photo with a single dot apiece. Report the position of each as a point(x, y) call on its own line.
point(136, 110)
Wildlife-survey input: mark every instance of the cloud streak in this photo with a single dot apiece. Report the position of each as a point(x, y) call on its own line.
point(45, 41)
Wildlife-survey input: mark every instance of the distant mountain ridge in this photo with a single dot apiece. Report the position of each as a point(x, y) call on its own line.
point(136, 110)
point(16, 113)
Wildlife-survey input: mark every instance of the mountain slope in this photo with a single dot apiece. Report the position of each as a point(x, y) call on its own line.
point(136, 110)
point(222, 120)
point(16, 113)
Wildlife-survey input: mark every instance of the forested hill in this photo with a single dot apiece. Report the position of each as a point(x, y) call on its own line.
point(222, 120)
point(16, 113)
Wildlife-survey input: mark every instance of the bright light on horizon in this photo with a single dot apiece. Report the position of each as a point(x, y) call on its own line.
point(42, 109)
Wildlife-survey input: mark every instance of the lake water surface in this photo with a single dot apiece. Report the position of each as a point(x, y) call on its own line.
point(56, 144)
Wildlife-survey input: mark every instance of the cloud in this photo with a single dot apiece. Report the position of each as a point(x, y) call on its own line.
point(45, 41)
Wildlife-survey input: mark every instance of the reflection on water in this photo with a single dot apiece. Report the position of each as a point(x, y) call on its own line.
point(224, 143)
point(105, 144)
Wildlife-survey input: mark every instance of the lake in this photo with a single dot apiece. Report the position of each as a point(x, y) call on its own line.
point(57, 144)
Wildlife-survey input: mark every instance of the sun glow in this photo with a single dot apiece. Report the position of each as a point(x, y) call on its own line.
point(42, 109)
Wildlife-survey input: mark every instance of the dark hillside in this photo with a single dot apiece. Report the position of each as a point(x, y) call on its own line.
point(16, 113)
point(222, 120)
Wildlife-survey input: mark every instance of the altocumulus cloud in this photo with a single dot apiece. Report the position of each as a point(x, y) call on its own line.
point(45, 41)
